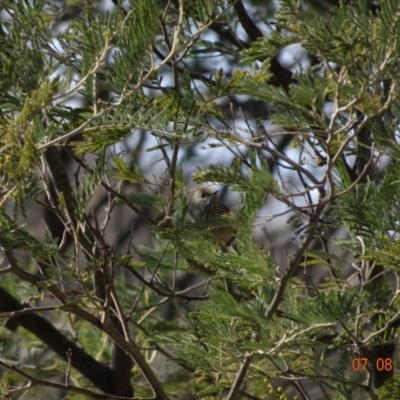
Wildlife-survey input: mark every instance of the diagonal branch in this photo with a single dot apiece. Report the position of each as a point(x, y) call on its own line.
point(93, 370)
point(248, 24)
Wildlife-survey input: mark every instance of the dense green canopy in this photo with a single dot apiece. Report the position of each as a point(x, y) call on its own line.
point(111, 114)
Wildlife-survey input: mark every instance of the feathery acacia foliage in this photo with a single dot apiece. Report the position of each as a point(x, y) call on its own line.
point(106, 118)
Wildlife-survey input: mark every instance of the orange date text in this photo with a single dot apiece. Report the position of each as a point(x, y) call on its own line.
point(381, 364)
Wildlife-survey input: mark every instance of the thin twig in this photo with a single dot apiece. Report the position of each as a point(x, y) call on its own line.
point(244, 366)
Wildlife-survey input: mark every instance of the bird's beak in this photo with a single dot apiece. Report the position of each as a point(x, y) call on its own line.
point(215, 192)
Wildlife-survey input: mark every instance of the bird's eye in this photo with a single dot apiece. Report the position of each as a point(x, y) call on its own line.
point(203, 194)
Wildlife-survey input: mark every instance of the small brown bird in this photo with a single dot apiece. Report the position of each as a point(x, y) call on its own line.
point(204, 207)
